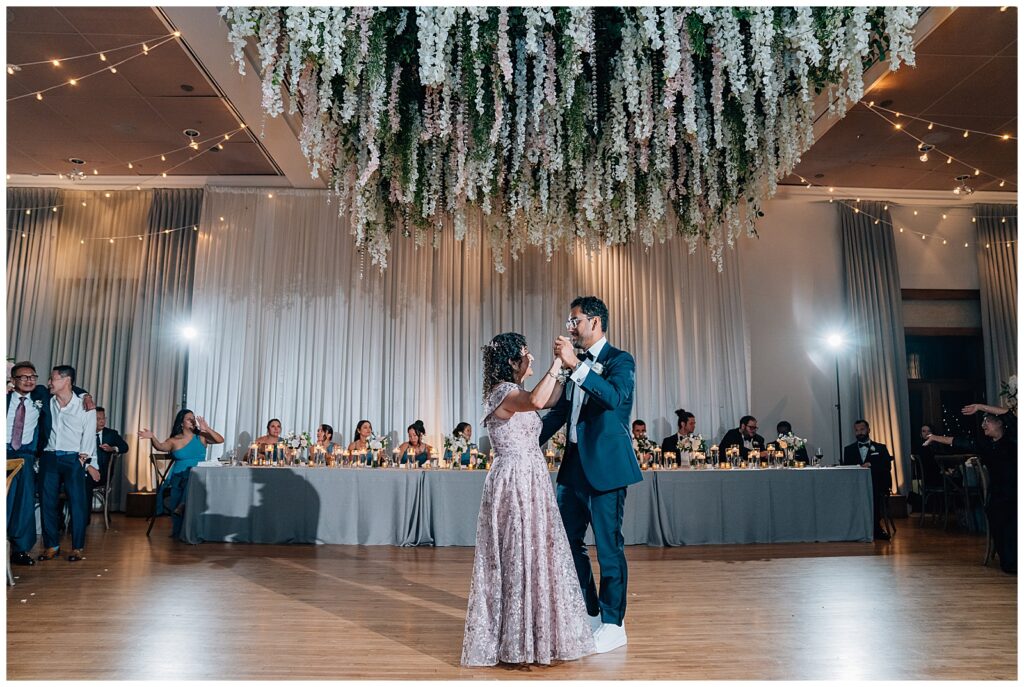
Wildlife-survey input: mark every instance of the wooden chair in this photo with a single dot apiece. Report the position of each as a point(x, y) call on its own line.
point(104, 491)
point(14, 466)
point(161, 475)
point(990, 544)
point(927, 490)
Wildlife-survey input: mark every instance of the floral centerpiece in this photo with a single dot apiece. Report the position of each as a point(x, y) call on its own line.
point(1009, 392)
point(456, 444)
point(694, 443)
point(377, 442)
point(299, 440)
point(561, 126)
point(643, 445)
point(791, 441)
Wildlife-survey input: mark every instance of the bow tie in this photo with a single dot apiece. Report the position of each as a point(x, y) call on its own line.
point(864, 443)
point(586, 355)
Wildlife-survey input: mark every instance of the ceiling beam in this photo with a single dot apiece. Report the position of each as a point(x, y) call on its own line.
point(205, 35)
point(929, 21)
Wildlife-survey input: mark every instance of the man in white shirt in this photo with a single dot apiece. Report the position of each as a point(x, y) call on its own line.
point(71, 445)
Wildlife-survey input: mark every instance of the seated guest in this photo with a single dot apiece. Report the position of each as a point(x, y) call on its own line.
point(108, 442)
point(464, 430)
point(325, 438)
point(686, 423)
point(871, 454)
point(187, 444)
point(360, 441)
point(420, 449)
point(639, 429)
point(998, 453)
point(926, 451)
point(70, 446)
point(273, 435)
point(28, 432)
point(782, 429)
point(746, 437)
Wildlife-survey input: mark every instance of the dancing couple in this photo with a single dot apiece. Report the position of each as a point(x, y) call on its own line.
point(526, 605)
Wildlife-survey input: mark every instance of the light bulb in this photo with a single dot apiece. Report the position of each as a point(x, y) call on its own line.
point(943, 242)
point(270, 195)
point(111, 240)
point(55, 210)
point(1006, 137)
point(901, 230)
point(876, 221)
point(943, 215)
point(856, 210)
point(10, 71)
point(113, 70)
point(915, 213)
point(131, 166)
point(885, 207)
point(177, 34)
point(898, 127)
point(163, 174)
point(220, 146)
point(930, 126)
point(106, 195)
point(923, 237)
point(103, 58)
point(977, 172)
point(1002, 183)
point(39, 96)
point(56, 63)
point(966, 133)
point(973, 220)
point(924, 157)
point(28, 212)
point(163, 158)
point(145, 49)
point(965, 245)
point(949, 160)
point(957, 190)
point(72, 82)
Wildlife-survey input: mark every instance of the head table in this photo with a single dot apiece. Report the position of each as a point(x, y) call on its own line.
point(318, 505)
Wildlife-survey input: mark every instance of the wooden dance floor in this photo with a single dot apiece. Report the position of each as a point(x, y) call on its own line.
point(919, 607)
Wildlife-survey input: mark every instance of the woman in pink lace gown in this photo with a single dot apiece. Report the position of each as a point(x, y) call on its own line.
point(525, 604)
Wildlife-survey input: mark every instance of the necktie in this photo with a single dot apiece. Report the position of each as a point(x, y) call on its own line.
point(19, 424)
point(99, 438)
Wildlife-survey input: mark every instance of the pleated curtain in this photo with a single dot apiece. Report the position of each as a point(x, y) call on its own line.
point(997, 272)
point(100, 286)
point(296, 324)
point(871, 283)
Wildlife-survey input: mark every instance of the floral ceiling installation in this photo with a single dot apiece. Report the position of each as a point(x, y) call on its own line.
point(549, 126)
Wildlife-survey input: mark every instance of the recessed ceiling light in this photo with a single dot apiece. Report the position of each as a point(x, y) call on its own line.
point(188, 88)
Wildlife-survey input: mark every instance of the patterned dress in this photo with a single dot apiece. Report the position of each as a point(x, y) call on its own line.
point(525, 604)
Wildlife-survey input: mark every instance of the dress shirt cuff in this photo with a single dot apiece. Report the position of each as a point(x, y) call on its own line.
point(581, 373)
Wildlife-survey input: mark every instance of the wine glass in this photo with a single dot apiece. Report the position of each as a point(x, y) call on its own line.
point(817, 457)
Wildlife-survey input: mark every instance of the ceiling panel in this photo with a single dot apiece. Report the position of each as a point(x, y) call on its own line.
point(109, 119)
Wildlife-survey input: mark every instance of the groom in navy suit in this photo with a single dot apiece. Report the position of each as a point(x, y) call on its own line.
point(599, 462)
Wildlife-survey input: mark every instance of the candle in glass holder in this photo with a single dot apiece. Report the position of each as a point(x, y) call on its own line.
point(780, 456)
point(743, 464)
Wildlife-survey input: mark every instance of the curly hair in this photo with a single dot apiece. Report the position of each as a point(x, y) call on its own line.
point(503, 348)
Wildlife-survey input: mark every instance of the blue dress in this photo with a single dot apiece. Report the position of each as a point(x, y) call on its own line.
point(176, 483)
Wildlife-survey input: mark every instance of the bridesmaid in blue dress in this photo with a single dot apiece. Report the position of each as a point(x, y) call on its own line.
point(187, 444)
point(464, 430)
point(421, 450)
point(359, 449)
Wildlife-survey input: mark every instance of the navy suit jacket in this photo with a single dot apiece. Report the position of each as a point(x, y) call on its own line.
point(604, 441)
point(113, 438)
point(734, 438)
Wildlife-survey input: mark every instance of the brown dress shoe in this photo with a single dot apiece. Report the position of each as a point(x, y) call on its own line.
point(76, 555)
point(50, 553)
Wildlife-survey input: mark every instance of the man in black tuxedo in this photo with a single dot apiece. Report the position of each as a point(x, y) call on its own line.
point(28, 431)
point(108, 442)
point(686, 423)
point(746, 437)
point(875, 456)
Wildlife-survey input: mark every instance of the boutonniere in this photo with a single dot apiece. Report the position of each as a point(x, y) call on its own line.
point(38, 404)
point(597, 368)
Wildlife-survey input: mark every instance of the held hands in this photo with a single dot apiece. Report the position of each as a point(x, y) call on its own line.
point(563, 350)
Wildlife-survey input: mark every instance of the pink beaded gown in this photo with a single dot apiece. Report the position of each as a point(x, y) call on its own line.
point(525, 603)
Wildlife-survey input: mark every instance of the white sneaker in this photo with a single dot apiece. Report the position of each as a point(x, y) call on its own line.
point(609, 637)
point(595, 622)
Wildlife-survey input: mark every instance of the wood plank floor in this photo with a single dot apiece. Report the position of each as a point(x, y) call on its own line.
point(919, 607)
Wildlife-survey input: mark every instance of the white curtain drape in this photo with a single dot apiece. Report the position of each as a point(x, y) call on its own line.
point(106, 307)
point(997, 272)
point(875, 307)
point(295, 325)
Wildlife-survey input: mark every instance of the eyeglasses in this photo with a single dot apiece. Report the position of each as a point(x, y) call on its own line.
point(27, 378)
point(574, 322)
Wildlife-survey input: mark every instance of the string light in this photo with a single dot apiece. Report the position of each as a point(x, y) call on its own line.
point(932, 124)
point(75, 80)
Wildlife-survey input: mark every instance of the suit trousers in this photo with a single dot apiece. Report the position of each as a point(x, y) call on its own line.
point(56, 468)
point(581, 506)
point(21, 504)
